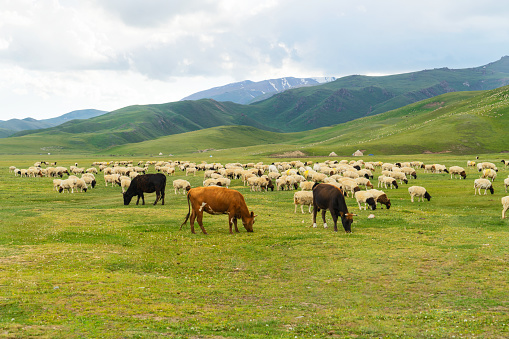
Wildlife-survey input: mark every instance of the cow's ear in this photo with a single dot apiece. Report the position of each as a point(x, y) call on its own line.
point(253, 215)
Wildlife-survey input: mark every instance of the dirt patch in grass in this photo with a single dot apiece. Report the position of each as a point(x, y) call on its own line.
point(295, 154)
point(440, 152)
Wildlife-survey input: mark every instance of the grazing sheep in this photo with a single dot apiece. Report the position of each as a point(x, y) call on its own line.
point(124, 183)
point(471, 163)
point(506, 184)
point(437, 168)
point(56, 184)
point(399, 176)
point(483, 165)
point(112, 178)
point(489, 173)
point(409, 171)
point(191, 170)
point(303, 198)
point(224, 182)
point(384, 181)
point(318, 177)
point(456, 170)
point(348, 185)
point(89, 179)
point(505, 205)
point(427, 168)
point(11, 169)
point(381, 197)
point(483, 183)
point(181, 184)
point(505, 162)
point(306, 185)
point(67, 184)
point(367, 198)
point(361, 181)
point(81, 184)
point(419, 192)
point(210, 182)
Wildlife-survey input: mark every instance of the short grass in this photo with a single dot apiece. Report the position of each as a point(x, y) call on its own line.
point(83, 265)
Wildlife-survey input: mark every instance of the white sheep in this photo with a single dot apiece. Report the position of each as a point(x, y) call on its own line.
point(367, 198)
point(68, 184)
point(505, 205)
point(361, 181)
point(484, 165)
point(489, 173)
point(419, 192)
point(81, 184)
point(125, 182)
point(112, 178)
point(307, 185)
point(348, 185)
point(56, 184)
point(483, 183)
point(89, 179)
point(181, 184)
point(457, 170)
point(506, 184)
point(210, 182)
point(399, 176)
point(303, 198)
point(384, 181)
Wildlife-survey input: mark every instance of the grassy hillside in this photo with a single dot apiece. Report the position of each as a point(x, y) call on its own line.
point(356, 96)
point(459, 122)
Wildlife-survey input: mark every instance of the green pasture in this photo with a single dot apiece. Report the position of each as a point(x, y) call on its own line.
point(83, 265)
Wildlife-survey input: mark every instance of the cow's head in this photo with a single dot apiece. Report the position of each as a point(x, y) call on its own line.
point(347, 220)
point(127, 198)
point(248, 222)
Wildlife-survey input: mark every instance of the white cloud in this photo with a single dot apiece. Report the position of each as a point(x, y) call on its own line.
point(57, 56)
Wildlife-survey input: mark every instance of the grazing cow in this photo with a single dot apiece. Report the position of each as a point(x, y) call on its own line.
point(329, 197)
point(218, 200)
point(146, 183)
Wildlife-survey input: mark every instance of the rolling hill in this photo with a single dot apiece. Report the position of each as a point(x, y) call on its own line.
point(12, 126)
point(458, 122)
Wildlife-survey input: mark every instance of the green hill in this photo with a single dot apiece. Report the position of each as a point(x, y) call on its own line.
point(460, 123)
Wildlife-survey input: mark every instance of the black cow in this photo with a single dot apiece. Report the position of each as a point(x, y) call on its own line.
point(329, 197)
point(146, 183)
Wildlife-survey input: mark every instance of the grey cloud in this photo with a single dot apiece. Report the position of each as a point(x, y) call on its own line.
point(152, 13)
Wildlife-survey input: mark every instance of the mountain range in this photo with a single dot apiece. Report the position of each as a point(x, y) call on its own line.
point(12, 126)
point(247, 91)
point(301, 109)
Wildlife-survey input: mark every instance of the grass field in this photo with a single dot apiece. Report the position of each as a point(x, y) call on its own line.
point(83, 265)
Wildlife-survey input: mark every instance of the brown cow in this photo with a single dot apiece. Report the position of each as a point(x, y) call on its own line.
point(218, 200)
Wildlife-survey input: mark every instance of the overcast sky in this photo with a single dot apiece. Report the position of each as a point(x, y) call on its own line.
point(57, 56)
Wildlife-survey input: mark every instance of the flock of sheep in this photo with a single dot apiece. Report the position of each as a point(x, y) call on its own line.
point(352, 177)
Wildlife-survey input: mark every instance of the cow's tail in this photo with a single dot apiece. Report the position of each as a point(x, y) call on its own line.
point(188, 212)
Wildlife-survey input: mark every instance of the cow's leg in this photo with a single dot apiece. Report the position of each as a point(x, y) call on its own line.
point(315, 210)
point(137, 201)
point(143, 198)
point(199, 218)
point(162, 197)
point(191, 221)
point(335, 219)
point(323, 218)
point(235, 224)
